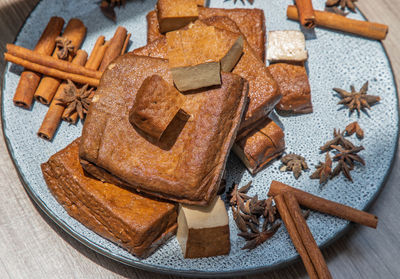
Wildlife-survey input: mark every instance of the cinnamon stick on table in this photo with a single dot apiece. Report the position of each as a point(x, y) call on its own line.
point(334, 21)
point(69, 72)
point(305, 234)
point(53, 116)
point(75, 31)
point(325, 206)
point(115, 47)
point(29, 80)
point(92, 63)
point(294, 235)
point(306, 12)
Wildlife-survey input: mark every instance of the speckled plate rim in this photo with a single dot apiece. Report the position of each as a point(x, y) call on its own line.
point(148, 267)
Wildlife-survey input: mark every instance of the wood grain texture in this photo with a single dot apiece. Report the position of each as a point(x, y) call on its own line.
point(32, 246)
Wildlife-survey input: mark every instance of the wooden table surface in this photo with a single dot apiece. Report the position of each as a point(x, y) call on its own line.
point(32, 246)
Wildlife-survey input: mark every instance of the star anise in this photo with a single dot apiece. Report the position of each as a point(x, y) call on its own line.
point(346, 159)
point(75, 99)
point(64, 47)
point(357, 100)
point(295, 163)
point(238, 195)
point(354, 127)
point(234, 1)
point(107, 7)
point(342, 3)
point(338, 139)
point(336, 10)
point(269, 210)
point(324, 170)
point(254, 239)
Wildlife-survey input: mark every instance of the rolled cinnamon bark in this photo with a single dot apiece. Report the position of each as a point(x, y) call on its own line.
point(325, 206)
point(74, 31)
point(29, 80)
point(305, 234)
point(306, 12)
point(93, 63)
point(114, 49)
point(53, 116)
point(53, 72)
point(125, 44)
point(329, 20)
point(294, 235)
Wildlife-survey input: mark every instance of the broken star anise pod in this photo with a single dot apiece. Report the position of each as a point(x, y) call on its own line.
point(338, 139)
point(75, 99)
point(256, 238)
point(357, 100)
point(354, 127)
point(342, 3)
point(64, 47)
point(295, 163)
point(234, 1)
point(107, 7)
point(336, 10)
point(346, 159)
point(238, 195)
point(269, 210)
point(324, 170)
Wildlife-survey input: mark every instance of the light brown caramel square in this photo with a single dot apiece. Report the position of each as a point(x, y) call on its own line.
point(175, 14)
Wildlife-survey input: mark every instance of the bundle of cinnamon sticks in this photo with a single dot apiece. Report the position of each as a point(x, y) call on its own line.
point(309, 18)
point(288, 201)
point(45, 74)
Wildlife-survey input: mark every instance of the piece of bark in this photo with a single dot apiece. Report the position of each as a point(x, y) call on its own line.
point(155, 106)
point(204, 231)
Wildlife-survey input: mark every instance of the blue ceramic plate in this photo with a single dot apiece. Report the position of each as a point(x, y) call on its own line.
point(336, 60)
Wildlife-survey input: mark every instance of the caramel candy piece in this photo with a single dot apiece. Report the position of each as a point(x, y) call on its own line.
point(293, 84)
point(260, 146)
point(174, 14)
point(204, 231)
point(156, 104)
point(198, 55)
point(286, 46)
point(137, 223)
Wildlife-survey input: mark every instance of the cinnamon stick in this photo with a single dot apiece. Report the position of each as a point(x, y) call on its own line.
point(325, 206)
point(114, 49)
point(93, 63)
point(125, 46)
point(306, 12)
point(305, 234)
point(294, 235)
point(50, 62)
point(53, 116)
point(29, 80)
point(334, 21)
point(77, 78)
point(74, 31)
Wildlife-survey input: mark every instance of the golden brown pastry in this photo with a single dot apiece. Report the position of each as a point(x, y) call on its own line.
point(156, 105)
point(260, 146)
point(189, 164)
point(137, 223)
point(251, 23)
point(293, 84)
point(263, 90)
point(175, 14)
